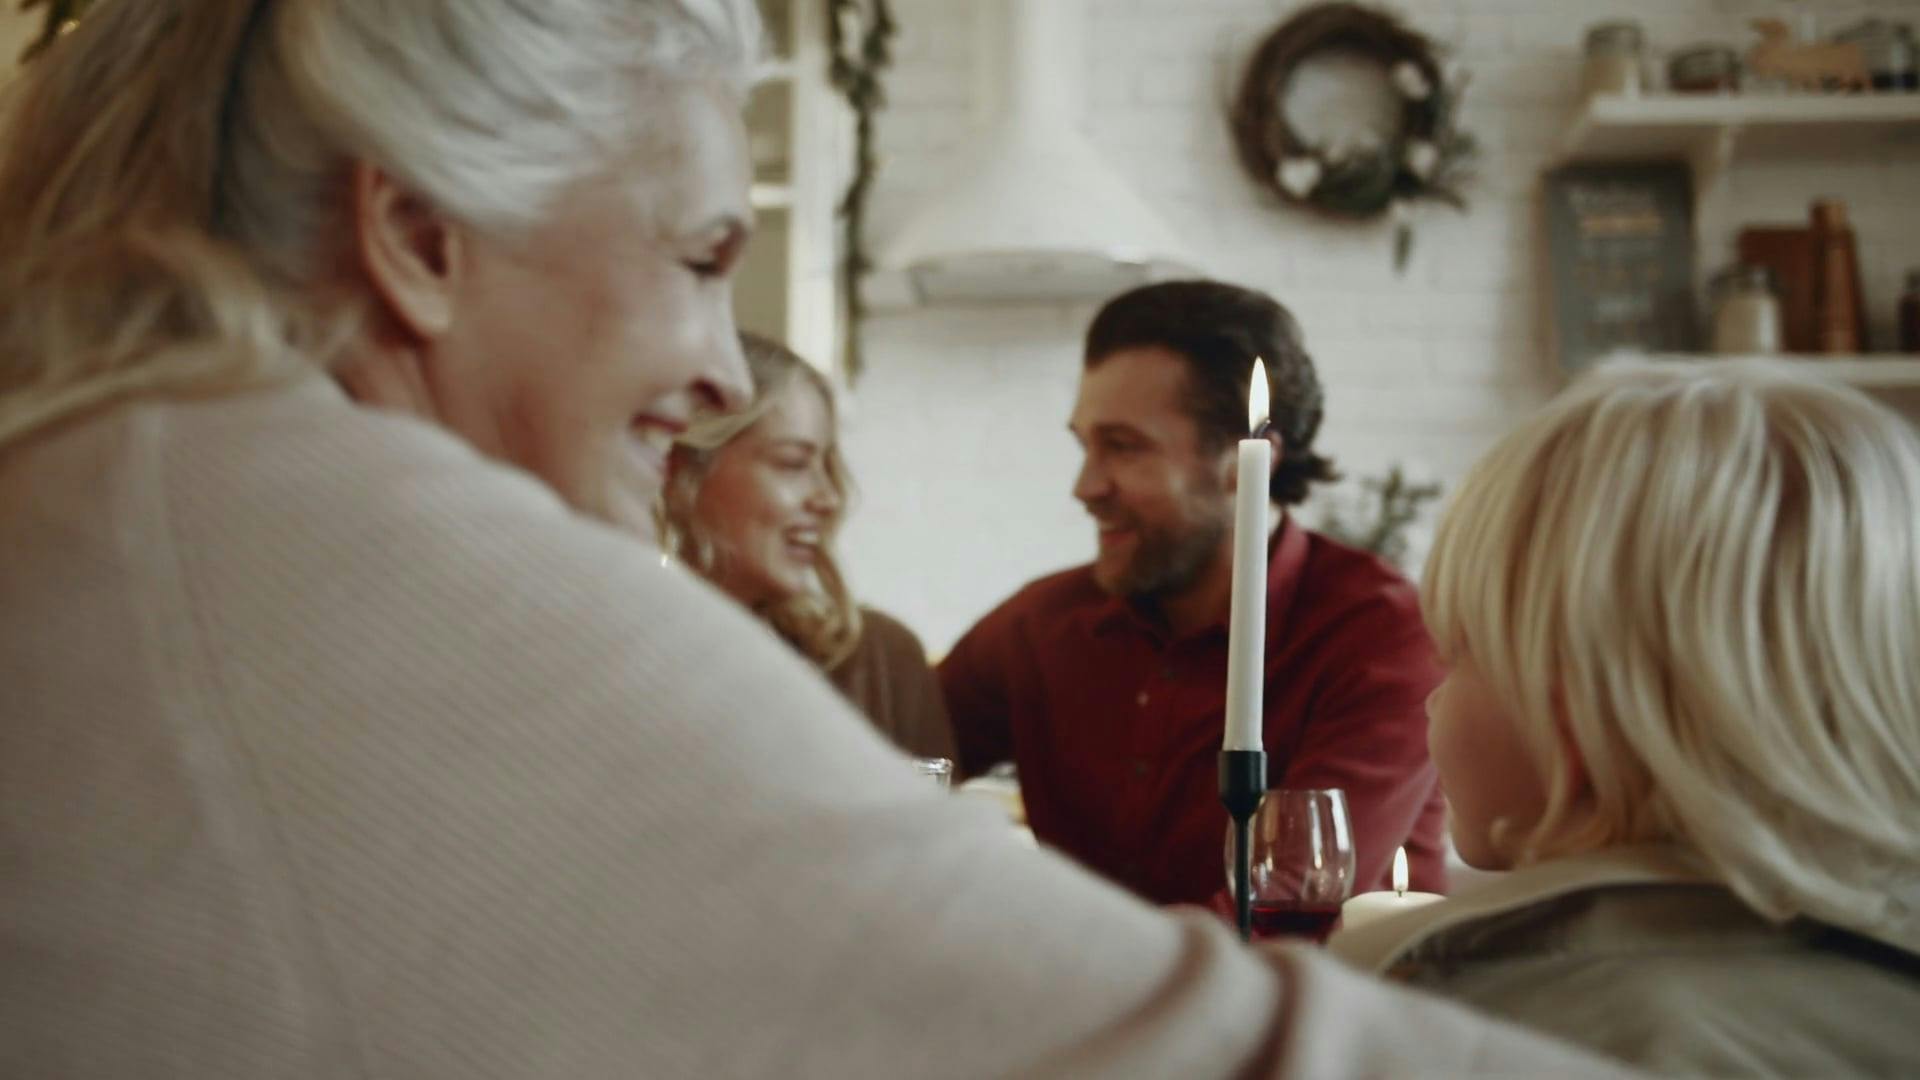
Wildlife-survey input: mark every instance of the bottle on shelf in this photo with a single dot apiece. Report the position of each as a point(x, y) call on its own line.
point(1839, 307)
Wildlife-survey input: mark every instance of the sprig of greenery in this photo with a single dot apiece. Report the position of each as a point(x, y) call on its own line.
point(1394, 504)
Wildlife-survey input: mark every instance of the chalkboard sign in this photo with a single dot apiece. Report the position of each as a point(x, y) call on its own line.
point(1620, 245)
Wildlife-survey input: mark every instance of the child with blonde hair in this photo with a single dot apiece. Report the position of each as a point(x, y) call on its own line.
point(1680, 611)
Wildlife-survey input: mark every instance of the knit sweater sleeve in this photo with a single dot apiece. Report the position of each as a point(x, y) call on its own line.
point(488, 791)
point(555, 809)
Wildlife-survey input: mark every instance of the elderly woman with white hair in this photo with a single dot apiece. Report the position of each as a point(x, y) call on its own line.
point(1680, 611)
point(334, 742)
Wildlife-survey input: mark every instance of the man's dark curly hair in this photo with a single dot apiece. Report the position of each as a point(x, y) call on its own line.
point(1219, 329)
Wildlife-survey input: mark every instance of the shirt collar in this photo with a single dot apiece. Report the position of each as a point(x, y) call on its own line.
point(1286, 558)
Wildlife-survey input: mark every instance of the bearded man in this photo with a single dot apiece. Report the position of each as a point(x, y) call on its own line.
point(1106, 684)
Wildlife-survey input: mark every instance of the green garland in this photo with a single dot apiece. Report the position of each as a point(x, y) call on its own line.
point(860, 37)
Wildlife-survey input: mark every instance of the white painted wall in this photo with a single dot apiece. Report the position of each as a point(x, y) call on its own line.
point(957, 433)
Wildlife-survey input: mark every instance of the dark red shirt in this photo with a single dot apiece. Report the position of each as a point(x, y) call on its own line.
point(1116, 729)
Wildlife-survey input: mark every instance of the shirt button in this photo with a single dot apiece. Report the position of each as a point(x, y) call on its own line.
point(1139, 768)
point(1142, 699)
point(1168, 672)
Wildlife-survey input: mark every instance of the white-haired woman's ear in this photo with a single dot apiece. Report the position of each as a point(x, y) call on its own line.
point(411, 253)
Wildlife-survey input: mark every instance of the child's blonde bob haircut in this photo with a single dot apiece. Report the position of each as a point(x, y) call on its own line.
point(1706, 578)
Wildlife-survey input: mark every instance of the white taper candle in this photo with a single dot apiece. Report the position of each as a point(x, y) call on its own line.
point(1247, 623)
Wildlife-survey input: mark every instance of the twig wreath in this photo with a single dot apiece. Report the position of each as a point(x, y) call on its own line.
point(1427, 157)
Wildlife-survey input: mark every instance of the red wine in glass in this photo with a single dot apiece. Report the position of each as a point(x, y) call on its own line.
point(1300, 863)
point(1294, 919)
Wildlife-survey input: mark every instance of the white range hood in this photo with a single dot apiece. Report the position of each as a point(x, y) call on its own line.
point(1037, 215)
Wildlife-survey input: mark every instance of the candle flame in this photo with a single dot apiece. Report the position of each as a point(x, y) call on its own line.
point(1400, 871)
point(1258, 410)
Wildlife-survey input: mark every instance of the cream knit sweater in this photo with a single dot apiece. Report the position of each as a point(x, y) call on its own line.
point(329, 749)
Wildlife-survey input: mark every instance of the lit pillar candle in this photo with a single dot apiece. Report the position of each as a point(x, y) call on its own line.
point(1247, 623)
point(1374, 906)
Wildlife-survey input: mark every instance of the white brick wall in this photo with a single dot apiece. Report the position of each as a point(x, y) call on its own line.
point(957, 434)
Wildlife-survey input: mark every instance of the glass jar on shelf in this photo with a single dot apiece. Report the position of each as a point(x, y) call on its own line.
point(1746, 312)
point(1888, 51)
point(1616, 59)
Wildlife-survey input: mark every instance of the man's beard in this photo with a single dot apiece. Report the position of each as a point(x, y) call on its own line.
point(1166, 559)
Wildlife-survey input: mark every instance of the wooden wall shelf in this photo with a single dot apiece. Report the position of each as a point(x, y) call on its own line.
point(1710, 130)
point(1889, 371)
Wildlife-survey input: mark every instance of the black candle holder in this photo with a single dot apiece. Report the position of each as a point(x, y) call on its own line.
point(1243, 784)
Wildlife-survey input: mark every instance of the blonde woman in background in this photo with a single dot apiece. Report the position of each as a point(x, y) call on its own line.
point(340, 740)
point(754, 501)
point(1680, 611)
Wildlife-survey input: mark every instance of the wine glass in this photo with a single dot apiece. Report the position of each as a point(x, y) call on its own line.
point(1302, 862)
point(937, 769)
